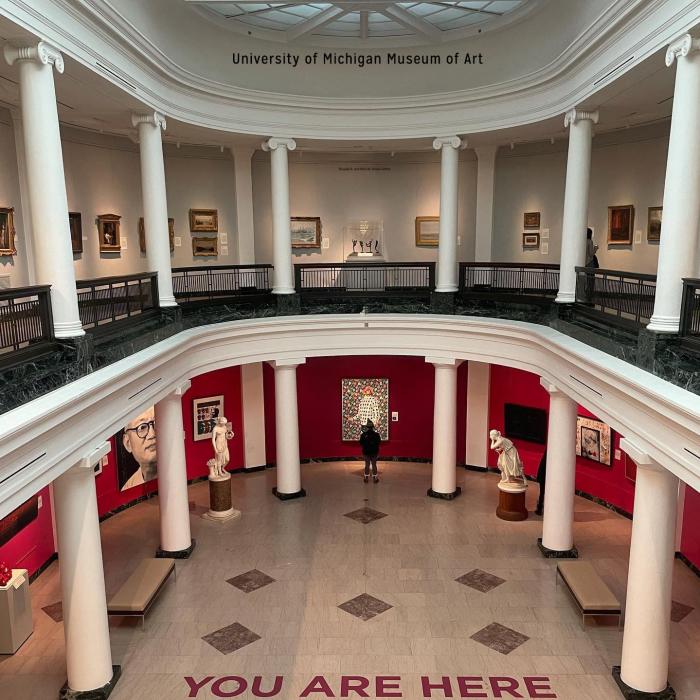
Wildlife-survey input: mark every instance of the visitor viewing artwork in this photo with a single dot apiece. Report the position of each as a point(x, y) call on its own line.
point(136, 451)
point(363, 400)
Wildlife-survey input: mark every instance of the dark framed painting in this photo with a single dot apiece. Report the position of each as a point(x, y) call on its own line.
point(531, 219)
point(142, 234)
point(654, 224)
point(205, 411)
point(7, 231)
point(204, 220)
point(428, 231)
point(109, 234)
point(361, 400)
point(137, 455)
point(305, 231)
point(620, 224)
point(205, 247)
point(593, 440)
point(75, 223)
point(531, 240)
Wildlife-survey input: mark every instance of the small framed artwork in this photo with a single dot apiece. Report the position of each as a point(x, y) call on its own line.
point(75, 223)
point(428, 231)
point(205, 247)
point(7, 231)
point(531, 219)
point(142, 234)
point(620, 224)
point(593, 440)
point(204, 220)
point(205, 411)
point(108, 233)
point(531, 240)
point(654, 224)
point(306, 231)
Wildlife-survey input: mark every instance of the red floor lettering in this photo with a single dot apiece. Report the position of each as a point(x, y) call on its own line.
point(317, 685)
point(428, 687)
point(354, 684)
point(535, 691)
point(497, 687)
point(196, 687)
point(258, 693)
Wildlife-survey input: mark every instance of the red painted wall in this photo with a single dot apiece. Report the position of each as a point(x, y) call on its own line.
point(269, 394)
point(690, 538)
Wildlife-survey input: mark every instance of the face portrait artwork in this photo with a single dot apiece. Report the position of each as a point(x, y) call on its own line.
point(136, 451)
point(363, 400)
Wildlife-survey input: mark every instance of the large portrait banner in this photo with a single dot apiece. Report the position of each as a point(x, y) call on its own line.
point(136, 451)
point(362, 400)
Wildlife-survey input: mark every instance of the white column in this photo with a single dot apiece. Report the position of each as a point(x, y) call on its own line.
point(155, 202)
point(287, 427)
point(447, 245)
point(175, 536)
point(645, 645)
point(444, 483)
point(27, 233)
point(281, 231)
point(88, 654)
point(678, 257)
point(575, 219)
point(48, 205)
point(680, 510)
point(253, 415)
point(478, 390)
point(485, 179)
point(558, 524)
point(242, 164)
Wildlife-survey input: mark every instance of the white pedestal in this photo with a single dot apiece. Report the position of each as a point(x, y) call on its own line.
point(15, 612)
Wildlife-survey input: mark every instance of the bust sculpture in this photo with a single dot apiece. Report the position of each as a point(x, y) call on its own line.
point(220, 436)
point(509, 461)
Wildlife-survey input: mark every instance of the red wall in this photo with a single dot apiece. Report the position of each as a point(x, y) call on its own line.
point(690, 539)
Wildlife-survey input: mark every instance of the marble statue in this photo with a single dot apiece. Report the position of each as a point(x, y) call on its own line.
point(220, 436)
point(354, 246)
point(509, 461)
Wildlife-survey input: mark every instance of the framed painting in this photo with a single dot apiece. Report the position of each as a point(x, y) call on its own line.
point(204, 220)
point(137, 456)
point(620, 224)
point(531, 219)
point(109, 234)
point(142, 234)
point(654, 224)
point(205, 247)
point(531, 240)
point(306, 231)
point(427, 231)
point(363, 399)
point(593, 440)
point(75, 223)
point(205, 411)
point(7, 231)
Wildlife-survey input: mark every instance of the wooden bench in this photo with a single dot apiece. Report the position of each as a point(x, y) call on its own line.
point(590, 592)
point(138, 593)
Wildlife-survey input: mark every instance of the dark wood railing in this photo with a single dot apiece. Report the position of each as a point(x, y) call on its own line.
point(690, 311)
point(220, 281)
point(506, 279)
point(365, 278)
point(25, 318)
point(625, 298)
point(108, 299)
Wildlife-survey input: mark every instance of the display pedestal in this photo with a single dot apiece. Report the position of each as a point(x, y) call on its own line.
point(365, 258)
point(220, 505)
point(511, 501)
point(15, 612)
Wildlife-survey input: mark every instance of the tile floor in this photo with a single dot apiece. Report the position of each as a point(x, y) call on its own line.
point(435, 563)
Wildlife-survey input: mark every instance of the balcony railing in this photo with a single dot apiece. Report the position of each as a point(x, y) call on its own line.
point(220, 281)
point(108, 299)
point(508, 279)
point(625, 298)
point(690, 311)
point(25, 318)
point(357, 279)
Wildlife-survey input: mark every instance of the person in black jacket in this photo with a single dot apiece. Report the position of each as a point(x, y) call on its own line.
point(370, 440)
point(541, 480)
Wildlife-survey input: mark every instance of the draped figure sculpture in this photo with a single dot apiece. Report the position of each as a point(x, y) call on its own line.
point(220, 436)
point(509, 461)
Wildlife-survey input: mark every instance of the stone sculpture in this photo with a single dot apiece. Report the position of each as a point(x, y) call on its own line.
point(509, 461)
point(220, 436)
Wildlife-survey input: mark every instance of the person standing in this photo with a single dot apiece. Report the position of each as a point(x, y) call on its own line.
point(370, 441)
point(591, 250)
point(541, 480)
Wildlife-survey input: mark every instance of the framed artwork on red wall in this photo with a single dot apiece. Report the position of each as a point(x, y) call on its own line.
point(593, 440)
point(205, 411)
point(362, 400)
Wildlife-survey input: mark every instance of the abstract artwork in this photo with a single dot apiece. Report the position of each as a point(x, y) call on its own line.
point(136, 451)
point(620, 224)
point(204, 414)
point(306, 231)
point(593, 440)
point(363, 399)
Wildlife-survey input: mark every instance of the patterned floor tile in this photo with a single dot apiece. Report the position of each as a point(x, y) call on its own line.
point(679, 611)
point(251, 581)
point(365, 515)
point(365, 606)
point(499, 638)
point(54, 611)
point(231, 638)
point(480, 580)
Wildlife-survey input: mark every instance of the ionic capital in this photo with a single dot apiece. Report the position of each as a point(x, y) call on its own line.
point(680, 48)
point(451, 362)
point(154, 119)
point(452, 141)
point(287, 363)
point(42, 52)
point(576, 115)
point(275, 142)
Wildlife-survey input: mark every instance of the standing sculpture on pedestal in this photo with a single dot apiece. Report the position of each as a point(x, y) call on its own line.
point(220, 504)
point(512, 487)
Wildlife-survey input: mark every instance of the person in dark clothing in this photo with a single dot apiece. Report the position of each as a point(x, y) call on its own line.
point(541, 479)
point(370, 440)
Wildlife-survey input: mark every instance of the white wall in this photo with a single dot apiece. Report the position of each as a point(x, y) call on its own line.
point(342, 188)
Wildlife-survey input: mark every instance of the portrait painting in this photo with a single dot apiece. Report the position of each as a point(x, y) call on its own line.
point(75, 223)
point(204, 220)
point(7, 231)
point(142, 234)
point(531, 219)
point(593, 440)
point(305, 231)
point(531, 241)
point(205, 247)
point(654, 224)
point(137, 458)
point(205, 411)
point(620, 224)
point(427, 231)
point(362, 400)
point(108, 231)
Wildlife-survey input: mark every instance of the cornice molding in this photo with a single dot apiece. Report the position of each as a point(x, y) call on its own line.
point(41, 52)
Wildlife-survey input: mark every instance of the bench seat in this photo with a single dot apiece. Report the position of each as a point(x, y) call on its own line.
point(591, 593)
point(139, 591)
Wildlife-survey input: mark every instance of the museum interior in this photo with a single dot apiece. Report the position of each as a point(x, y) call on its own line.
point(343, 352)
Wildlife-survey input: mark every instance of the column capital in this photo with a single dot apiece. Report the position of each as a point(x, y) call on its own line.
point(88, 461)
point(272, 144)
point(291, 362)
point(153, 118)
point(551, 388)
point(42, 52)
point(181, 388)
point(680, 48)
point(453, 141)
point(576, 115)
point(444, 361)
point(640, 457)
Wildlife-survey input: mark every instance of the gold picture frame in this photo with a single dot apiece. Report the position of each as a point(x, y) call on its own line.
point(109, 233)
point(531, 219)
point(427, 231)
point(75, 224)
point(142, 234)
point(7, 231)
point(531, 240)
point(654, 219)
point(205, 247)
point(204, 220)
point(620, 224)
point(305, 231)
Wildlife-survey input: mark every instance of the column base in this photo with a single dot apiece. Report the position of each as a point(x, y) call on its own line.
point(664, 324)
point(556, 553)
point(288, 496)
point(565, 298)
point(445, 496)
point(668, 693)
point(179, 554)
point(97, 694)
